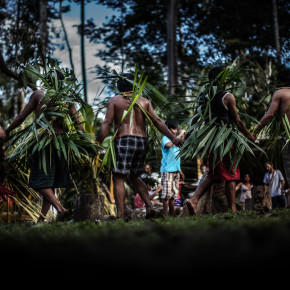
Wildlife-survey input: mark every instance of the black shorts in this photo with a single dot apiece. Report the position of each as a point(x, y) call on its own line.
point(56, 175)
point(130, 154)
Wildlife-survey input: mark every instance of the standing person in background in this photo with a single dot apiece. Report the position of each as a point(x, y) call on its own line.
point(170, 169)
point(245, 187)
point(275, 180)
point(203, 175)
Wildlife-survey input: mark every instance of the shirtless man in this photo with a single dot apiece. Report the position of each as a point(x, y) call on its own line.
point(131, 143)
point(223, 106)
point(280, 106)
point(57, 173)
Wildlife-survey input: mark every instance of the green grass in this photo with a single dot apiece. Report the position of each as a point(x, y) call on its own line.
point(206, 242)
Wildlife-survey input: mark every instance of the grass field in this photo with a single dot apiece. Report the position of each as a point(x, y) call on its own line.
point(204, 243)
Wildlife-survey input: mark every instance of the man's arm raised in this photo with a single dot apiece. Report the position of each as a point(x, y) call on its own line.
point(29, 108)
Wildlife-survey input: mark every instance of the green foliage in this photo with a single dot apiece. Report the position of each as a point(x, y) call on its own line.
point(206, 135)
point(59, 98)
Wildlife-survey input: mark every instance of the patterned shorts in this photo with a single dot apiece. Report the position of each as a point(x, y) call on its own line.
point(130, 154)
point(170, 184)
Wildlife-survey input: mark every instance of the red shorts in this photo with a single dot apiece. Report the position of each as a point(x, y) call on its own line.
point(222, 171)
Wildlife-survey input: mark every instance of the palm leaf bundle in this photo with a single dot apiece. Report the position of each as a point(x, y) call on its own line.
point(207, 135)
point(39, 137)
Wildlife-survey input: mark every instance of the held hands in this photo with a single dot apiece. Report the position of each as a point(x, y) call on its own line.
point(177, 141)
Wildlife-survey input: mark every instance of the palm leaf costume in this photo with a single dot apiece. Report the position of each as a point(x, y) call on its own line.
point(39, 137)
point(210, 135)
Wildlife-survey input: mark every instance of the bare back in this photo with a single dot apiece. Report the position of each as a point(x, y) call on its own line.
point(118, 105)
point(283, 95)
point(35, 105)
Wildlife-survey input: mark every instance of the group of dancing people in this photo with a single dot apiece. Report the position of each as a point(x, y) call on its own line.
point(131, 146)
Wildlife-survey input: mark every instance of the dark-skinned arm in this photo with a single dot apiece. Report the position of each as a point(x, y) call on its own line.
point(161, 126)
point(106, 125)
point(267, 118)
point(230, 102)
point(76, 118)
point(29, 108)
point(2, 133)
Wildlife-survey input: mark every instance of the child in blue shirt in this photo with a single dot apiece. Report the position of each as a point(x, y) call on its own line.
point(170, 169)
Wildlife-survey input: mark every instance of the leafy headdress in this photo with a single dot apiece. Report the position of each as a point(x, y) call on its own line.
point(209, 135)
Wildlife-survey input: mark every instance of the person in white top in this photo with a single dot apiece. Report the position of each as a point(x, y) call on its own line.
point(245, 188)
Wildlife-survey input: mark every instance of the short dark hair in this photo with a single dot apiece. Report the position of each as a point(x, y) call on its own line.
point(171, 124)
point(283, 77)
point(214, 72)
point(268, 162)
point(123, 85)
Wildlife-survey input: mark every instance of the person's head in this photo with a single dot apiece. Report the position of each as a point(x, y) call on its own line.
point(123, 85)
point(269, 166)
point(214, 72)
point(247, 178)
point(148, 169)
point(172, 125)
point(283, 78)
point(150, 182)
point(203, 168)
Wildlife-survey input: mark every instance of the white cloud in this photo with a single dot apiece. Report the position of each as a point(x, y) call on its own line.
point(93, 86)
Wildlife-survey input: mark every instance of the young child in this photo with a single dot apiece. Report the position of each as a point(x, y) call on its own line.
point(170, 169)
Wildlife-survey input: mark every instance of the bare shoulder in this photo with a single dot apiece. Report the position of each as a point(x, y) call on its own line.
point(229, 96)
point(143, 101)
point(229, 99)
point(37, 95)
point(281, 93)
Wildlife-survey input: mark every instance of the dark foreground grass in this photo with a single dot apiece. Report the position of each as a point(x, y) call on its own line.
point(206, 243)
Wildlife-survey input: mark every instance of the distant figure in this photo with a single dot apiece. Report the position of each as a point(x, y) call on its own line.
point(170, 169)
point(275, 180)
point(203, 175)
point(131, 144)
point(245, 186)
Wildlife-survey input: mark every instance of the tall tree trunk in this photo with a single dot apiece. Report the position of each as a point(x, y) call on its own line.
point(66, 38)
point(43, 24)
point(83, 59)
point(276, 31)
point(171, 45)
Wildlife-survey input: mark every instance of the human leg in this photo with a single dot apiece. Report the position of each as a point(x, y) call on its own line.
point(142, 189)
point(119, 193)
point(49, 199)
point(230, 192)
point(171, 207)
point(165, 203)
point(202, 188)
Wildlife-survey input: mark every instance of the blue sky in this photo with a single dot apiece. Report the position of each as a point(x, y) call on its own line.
point(99, 14)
